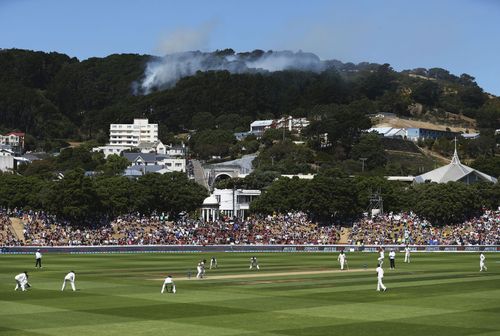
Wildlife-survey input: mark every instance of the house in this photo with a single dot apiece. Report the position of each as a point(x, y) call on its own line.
point(292, 124)
point(176, 150)
point(231, 203)
point(155, 163)
point(152, 147)
point(15, 140)
point(259, 126)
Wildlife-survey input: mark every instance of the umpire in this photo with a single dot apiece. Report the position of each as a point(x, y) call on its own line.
point(38, 259)
point(392, 257)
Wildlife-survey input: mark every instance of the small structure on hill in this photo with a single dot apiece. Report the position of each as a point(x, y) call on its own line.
point(455, 171)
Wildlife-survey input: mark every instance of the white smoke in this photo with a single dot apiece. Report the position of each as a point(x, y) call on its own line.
point(164, 72)
point(184, 39)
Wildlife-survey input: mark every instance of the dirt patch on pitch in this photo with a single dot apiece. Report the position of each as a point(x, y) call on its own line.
point(257, 274)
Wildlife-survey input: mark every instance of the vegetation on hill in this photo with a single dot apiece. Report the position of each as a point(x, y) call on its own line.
point(55, 98)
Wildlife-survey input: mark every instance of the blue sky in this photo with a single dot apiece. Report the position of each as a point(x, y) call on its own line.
point(459, 35)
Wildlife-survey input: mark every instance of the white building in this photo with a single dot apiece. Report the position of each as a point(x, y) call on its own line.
point(292, 124)
point(152, 147)
point(259, 126)
point(455, 171)
point(6, 160)
point(228, 203)
point(389, 132)
point(176, 150)
point(140, 134)
point(14, 140)
point(155, 163)
point(133, 134)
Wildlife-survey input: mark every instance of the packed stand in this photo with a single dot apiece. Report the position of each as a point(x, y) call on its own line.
point(7, 235)
point(42, 229)
point(409, 228)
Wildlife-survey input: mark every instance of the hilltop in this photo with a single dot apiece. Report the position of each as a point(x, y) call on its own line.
point(56, 98)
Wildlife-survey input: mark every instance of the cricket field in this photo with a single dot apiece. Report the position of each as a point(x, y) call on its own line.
point(291, 294)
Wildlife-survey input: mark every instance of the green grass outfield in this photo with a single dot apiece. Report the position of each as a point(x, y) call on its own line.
point(292, 294)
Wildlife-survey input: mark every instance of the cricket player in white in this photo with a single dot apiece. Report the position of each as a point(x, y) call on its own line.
point(380, 276)
point(341, 258)
point(21, 281)
point(482, 265)
point(200, 269)
point(254, 263)
point(71, 278)
point(213, 262)
point(407, 254)
point(169, 282)
point(381, 256)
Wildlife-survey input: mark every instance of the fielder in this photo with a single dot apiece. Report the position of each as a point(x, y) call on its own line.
point(213, 262)
point(201, 270)
point(482, 265)
point(254, 263)
point(407, 254)
point(168, 285)
point(38, 259)
point(381, 256)
point(342, 259)
point(22, 281)
point(392, 259)
point(71, 278)
point(380, 276)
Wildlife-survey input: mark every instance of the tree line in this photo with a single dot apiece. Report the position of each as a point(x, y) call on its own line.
point(83, 199)
point(333, 197)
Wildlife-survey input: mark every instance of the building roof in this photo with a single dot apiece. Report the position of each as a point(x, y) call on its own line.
point(146, 157)
point(149, 144)
point(470, 135)
point(454, 171)
point(16, 133)
point(261, 123)
point(146, 169)
point(210, 200)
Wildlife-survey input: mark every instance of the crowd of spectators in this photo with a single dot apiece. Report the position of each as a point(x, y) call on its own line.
point(7, 236)
point(42, 229)
point(408, 228)
point(293, 228)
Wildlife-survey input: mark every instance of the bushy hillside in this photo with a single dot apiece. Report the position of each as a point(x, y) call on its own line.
point(54, 96)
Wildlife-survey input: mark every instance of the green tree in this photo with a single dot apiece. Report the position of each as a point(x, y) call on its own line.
point(427, 93)
point(73, 198)
point(115, 165)
point(444, 204)
point(203, 121)
point(370, 148)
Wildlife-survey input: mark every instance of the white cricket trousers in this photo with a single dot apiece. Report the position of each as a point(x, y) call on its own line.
point(380, 285)
point(342, 265)
point(407, 258)
point(21, 285)
point(482, 267)
point(380, 261)
point(72, 285)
